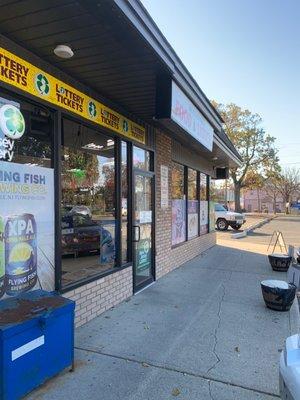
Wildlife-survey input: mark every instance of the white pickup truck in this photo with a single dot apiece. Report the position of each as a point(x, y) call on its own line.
point(225, 218)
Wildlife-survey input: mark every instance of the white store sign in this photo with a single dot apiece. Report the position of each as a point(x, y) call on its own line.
point(164, 183)
point(188, 117)
point(145, 217)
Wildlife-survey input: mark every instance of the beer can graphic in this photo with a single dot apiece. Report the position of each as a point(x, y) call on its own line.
point(2, 257)
point(20, 254)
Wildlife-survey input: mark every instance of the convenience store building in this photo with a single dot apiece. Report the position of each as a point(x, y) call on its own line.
point(106, 157)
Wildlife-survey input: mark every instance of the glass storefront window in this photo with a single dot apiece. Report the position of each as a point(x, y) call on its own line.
point(141, 158)
point(142, 228)
point(88, 203)
point(178, 205)
point(212, 198)
point(193, 204)
point(196, 203)
point(27, 197)
point(124, 201)
point(203, 204)
point(34, 146)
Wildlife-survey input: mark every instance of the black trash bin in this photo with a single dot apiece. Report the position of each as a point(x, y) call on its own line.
point(280, 262)
point(278, 295)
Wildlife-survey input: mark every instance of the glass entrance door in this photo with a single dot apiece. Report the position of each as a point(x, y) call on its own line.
point(143, 273)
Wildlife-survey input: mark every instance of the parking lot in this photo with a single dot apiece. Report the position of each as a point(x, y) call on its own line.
point(251, 219)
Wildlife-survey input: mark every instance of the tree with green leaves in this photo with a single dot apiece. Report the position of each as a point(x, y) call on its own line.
point(256, 147)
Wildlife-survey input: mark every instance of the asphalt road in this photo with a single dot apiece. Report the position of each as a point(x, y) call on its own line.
point(261, 237)
point(288, 225)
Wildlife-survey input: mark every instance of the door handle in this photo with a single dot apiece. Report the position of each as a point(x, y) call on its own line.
point(139, 235)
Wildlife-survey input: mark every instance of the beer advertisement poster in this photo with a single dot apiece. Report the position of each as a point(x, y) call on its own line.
point(27, 228)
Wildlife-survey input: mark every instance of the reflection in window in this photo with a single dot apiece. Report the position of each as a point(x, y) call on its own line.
point(34, 147)
point(203, 204)
point(88, 203)
point(143, 228)
point(143, 201)
point(141, 159)
point(192, 204)
point(178, 205)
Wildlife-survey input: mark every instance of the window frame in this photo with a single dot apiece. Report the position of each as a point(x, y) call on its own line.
point(198, 203)
point(55, 113)
point(198, 189)
point(206, 199)
point(57, 116)
point(33, 101)
point(118, 206)
point(185, 199)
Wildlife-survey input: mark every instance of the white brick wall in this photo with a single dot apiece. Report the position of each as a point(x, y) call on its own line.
point(98, 296)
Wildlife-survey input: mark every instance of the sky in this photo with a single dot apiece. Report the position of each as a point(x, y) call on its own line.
point(242, 51)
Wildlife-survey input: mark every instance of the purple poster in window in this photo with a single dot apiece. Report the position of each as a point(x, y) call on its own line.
point(178, 221)
point(192, 218)
point(203, 217)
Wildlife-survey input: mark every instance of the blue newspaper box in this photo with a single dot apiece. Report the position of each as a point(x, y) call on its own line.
point(36, 340)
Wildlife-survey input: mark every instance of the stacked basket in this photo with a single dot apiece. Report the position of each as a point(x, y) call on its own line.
point(280, 262)
point(278, 295)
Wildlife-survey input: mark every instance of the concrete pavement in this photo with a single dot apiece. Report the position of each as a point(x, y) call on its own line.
point(259, 239)
point(201, 332)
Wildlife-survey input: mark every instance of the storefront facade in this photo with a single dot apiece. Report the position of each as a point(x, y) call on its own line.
point(98, 202)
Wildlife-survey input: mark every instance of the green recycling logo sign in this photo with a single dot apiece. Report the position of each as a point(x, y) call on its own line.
point(125, 126)
point(42, 84)
point(12, 122)
point(92, 110)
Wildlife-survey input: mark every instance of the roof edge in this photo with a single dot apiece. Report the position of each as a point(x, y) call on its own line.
point(143, 22)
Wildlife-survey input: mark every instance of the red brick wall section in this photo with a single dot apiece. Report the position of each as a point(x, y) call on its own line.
point(167, 258)
point(98, 296)
point(163, 216)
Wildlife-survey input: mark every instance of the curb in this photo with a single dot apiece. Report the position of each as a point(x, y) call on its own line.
point(252, 227)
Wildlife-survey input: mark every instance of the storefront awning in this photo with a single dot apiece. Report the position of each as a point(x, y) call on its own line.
point(119, 53)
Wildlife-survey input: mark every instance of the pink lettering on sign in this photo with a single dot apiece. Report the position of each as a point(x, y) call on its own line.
point(183, 114)
point(188, 116)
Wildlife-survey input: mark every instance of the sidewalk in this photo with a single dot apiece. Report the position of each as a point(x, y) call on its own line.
point(201, 332)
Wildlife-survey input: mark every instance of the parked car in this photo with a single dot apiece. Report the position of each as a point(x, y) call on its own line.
point(295, 206)
point(225, 218)
point(289, 369)
point(81, 234)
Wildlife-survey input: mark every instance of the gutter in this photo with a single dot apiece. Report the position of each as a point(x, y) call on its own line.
point(219, 142)
point(137, 14)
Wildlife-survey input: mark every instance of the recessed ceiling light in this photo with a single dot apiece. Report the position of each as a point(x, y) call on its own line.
point(92, 146)
point(214, 158)
point(63, 51)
